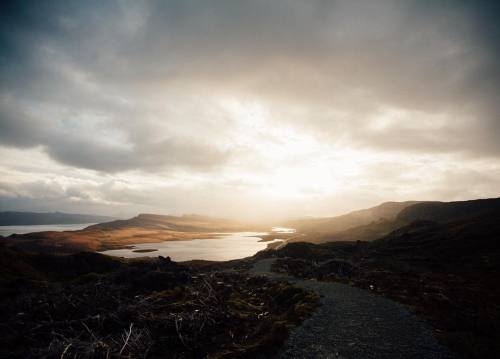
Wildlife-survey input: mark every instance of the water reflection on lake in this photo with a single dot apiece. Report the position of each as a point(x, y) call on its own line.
point(222, 248)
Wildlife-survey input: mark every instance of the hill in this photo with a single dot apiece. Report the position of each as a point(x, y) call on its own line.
point(446, 211)
point(384, 211)
point(36, 218)
point(88, 305)
point(458, 245)
point(442, 259)
point(401, 215)
point(185, 223)
point(17, 264)
point(144, 228)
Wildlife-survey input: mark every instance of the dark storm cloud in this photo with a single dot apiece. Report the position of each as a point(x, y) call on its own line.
point(51, 52)
point(65, 63)
point(94, 148)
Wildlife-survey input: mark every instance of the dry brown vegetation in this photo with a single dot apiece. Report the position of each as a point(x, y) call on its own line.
point(447, 272)
point(122, 233)
point(373, 223)
point(97, 239)
point(141, 309)
point(329, 225)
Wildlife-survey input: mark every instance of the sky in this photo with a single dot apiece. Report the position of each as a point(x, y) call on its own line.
point(247, 109)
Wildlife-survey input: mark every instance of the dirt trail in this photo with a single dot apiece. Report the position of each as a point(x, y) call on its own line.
point(354, 323)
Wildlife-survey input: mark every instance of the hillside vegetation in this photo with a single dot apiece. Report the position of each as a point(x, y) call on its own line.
point(384, 211)
point(145, 228)
point(186, 223)
point(443, 260)
point(393, 215)
point(89, 305)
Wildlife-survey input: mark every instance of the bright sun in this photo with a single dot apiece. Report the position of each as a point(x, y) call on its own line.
point(290, 164)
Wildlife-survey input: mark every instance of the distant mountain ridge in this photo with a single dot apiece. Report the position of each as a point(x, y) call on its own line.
point(440, 258)
point(362, 225)
point(144, 228)
point(185, 223)
point(376, 222)
point(447, 211)
point(12, 218)
point(384, 211)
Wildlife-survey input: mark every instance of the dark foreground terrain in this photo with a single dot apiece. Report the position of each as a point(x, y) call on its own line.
point(447, 272)
point(439, 259)
point(353, 323)
point(88, 305)
point(118, 234)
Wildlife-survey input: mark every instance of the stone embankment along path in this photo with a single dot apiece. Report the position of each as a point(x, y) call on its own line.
point(352, 323)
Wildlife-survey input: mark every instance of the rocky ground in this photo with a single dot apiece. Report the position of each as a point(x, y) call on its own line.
point(461, 301)
point(354, 323)
point(141, 309)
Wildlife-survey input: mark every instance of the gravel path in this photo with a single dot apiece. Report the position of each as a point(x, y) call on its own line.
point(354, 323)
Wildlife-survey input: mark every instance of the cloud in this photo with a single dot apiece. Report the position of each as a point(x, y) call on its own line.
point(425, 57)
point(90, 140)
point(234, 92)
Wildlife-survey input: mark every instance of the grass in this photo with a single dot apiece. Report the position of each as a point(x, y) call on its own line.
point(143, 308)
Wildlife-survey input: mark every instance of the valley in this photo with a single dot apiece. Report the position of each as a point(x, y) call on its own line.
point(440, 260)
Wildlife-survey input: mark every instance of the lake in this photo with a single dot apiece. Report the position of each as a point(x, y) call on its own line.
point(8, 230)
point(223, 247)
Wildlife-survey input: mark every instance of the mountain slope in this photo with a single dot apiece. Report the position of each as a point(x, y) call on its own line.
point(186, 223)
point(439, 212)
point(460, 244)
point(447, 211)
point(144, 228)
point(384, 211)
point(442, 259)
